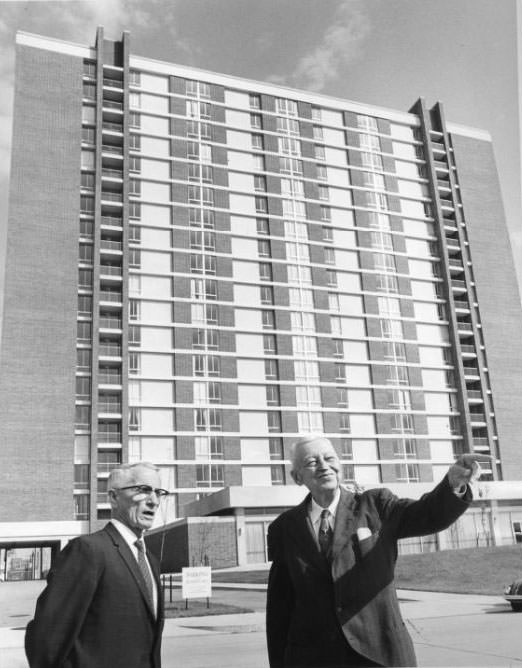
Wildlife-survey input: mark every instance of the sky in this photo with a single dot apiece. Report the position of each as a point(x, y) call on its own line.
point(385, 52)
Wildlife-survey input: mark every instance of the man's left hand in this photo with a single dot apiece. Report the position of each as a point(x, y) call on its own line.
point(465, 470)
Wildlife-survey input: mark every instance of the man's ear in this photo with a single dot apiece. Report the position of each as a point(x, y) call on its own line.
point(296, 477)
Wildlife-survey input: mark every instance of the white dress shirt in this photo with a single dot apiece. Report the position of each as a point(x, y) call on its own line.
point(130, 538)
point(315, 510)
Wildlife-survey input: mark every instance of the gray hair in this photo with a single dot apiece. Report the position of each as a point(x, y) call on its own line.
point(125, 473)
point(304, 440)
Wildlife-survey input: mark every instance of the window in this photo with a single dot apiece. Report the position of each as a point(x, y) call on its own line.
point(256, 121)
point(344, 422)
point(134, 165)
point(301, 321)
point(274, 421)
point(263, 248)
point(134, 309)
point(85, 278)
point(289, 146)
point(286, 107)
point(82, 417)
point(269, 344)
point(405, 448)
point(272, 395)
point(134, 335)
point(348, 473)
point(268, 319)
point(271, 369)
point(397, 374)
point(403, 423)
point(371, 161)
point(254, 101)
point(257, 142)
point(275, 446)
point(89, 68)
point(267, 294)
point(308, 396)
point(262, 226)
point(331, 277)
point(210, 475)
point(134, 258)
point(322, 173)
point(135, 210)
point(386, 283)
point(89, 90)
point(84, 304)
point(214, 392)
point(86, 204)
point(407, 472)
point(290, 166)
point(87, 181)
point(134, 78)
point(261, 204)
point(86, 253)
point(329, 256)
point(346, 448)
point(319, 152)
point(265, 274)
point(396, 351)
point(340, 373)
point(83, 359)
point(338, 347)
point(88, 135)
point(259, 183)
point(277, 474)
point(134, 142)
point(367, 123)
point(326, 214)
point(83, 387)
point(369, 143)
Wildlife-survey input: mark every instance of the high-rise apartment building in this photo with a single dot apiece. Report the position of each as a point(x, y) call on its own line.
point(200, 268)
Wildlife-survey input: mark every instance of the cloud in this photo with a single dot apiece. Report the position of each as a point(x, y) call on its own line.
point(341, 44)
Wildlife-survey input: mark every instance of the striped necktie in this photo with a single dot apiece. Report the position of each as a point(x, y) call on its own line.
point(325, 534)
point(145, 571)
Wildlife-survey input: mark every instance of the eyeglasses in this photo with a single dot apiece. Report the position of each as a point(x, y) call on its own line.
point(146, 490)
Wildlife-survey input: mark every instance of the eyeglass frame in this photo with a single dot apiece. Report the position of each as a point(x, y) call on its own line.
point(147, 490)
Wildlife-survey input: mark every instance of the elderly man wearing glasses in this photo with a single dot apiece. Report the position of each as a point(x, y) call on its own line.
point(102, 605)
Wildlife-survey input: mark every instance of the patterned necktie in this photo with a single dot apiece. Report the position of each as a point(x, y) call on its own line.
point(325, 534)
point(142, 563)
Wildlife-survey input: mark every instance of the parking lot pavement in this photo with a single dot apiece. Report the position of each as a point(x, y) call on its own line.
point(447, 630)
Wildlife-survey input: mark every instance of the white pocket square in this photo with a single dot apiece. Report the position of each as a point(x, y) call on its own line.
point(363, 532)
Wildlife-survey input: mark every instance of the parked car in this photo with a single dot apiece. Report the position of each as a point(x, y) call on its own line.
point(513, 594)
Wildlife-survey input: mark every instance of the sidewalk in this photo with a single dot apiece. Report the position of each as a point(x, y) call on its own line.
point(447, 630)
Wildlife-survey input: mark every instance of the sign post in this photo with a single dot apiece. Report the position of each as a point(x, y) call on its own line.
point(196, 582)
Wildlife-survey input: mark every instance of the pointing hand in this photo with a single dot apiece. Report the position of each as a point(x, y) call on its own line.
point(466, 469)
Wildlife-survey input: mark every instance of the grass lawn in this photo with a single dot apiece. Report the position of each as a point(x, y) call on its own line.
point(197, 608)
point(481, 570)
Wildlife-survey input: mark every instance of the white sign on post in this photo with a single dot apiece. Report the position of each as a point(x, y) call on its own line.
point(196, 582)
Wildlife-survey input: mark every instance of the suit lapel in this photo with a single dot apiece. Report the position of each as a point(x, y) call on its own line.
point(125, 553)
point(344, 522)
point(302, 532)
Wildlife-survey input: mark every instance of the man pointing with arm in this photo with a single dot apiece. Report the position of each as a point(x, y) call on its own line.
point(331, 598)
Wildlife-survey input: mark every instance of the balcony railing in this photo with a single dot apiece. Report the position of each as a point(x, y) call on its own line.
point(106, 467)
point(111, 379)
point(110, 270)
point(458, 284)
point(468, 349)
point(110, 323)
point(109, 437)
point(465, 326)
point(477, 417)
point(110, 350)
point(114, 83)
point(109, 407)
point(112, 197)
point(109, 104)
point(109, 148)
point(108, 296)
point(474, 394)
point(113, 173)
point(113, 221)
point(111, 245)
point(461, 303)
point(481, 442)
point(116, 127)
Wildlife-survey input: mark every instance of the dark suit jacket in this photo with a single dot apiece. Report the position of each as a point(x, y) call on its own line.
point(310, 602)
point(94, 612)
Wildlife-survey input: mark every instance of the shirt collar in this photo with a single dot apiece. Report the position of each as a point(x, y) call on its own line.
point(315, 509)
point(127, 534)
